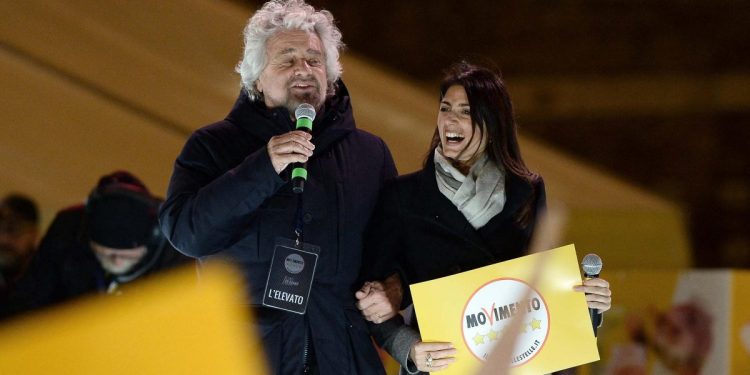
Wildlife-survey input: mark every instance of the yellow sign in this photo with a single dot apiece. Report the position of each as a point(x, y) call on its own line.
point(474, 309)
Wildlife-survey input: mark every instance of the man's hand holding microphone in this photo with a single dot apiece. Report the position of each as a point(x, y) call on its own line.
point(294, 147)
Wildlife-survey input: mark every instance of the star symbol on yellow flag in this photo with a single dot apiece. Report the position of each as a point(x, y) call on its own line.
point(536, 324)
point(492, 335)
point(478, 339)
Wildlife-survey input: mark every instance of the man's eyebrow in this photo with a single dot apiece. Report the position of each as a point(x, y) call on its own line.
point(310, 51)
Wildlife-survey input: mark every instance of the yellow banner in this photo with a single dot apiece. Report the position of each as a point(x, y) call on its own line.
point(169, 324)
point(474, 309)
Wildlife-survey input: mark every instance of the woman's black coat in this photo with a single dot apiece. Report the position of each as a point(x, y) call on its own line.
point(418, 232)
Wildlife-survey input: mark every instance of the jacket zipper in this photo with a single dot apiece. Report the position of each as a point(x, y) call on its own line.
point(306, 351)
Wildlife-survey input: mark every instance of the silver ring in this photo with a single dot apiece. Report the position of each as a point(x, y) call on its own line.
point(428, 361)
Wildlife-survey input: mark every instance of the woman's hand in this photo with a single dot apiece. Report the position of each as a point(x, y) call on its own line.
point(432, 356)
point(379, 301)
point(598, 295)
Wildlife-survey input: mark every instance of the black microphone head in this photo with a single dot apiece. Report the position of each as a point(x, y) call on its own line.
point(591, 264)
point(305, 110)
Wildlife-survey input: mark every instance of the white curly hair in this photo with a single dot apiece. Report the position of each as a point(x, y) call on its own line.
point(279, 15)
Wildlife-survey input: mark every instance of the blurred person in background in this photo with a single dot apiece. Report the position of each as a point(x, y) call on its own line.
point(101, 246)
point(230, 196)
point(19, 228)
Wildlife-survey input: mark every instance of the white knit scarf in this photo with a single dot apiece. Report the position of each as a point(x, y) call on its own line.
point(480, 195)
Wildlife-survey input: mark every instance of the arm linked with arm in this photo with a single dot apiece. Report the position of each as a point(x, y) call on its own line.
point(381, 258)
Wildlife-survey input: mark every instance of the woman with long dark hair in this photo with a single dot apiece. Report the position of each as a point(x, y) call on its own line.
point(474, 203)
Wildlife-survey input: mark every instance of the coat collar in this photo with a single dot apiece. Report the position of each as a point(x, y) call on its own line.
point(438, 208)
point(262, 123)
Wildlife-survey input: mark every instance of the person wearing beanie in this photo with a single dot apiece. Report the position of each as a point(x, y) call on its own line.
point(100, 246)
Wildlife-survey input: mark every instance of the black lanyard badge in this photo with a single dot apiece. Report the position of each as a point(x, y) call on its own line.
point(291, 275)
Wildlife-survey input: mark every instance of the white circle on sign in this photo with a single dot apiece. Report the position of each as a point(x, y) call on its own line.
point(294, 263)
point(491, 309)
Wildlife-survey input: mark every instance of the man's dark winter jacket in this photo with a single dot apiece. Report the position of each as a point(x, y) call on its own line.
point(226, 200)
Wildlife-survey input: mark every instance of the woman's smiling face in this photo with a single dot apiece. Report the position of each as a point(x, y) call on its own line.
point(460, 139)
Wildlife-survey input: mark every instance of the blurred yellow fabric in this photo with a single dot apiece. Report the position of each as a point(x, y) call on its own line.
point(169, 324)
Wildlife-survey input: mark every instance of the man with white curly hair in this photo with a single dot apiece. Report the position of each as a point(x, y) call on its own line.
point(230, 195)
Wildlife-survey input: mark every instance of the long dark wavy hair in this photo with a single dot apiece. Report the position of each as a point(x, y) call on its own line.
point(492, 115)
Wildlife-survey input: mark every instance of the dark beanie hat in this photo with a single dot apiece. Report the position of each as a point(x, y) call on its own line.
point(121, 213)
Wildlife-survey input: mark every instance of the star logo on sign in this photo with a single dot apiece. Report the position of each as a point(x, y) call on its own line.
point(478, 339)
point(492, 335)
point(536, 324)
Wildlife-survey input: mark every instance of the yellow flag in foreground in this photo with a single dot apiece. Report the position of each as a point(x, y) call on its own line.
point(474, 309)
point(171, 325)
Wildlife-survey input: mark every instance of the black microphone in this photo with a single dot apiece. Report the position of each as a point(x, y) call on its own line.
point(592, 266)
point(305, 114)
